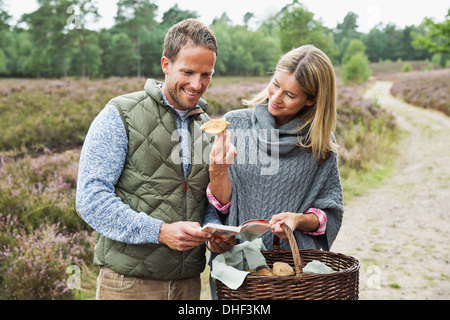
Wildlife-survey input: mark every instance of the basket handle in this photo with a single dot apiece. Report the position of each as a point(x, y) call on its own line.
point(294, 248)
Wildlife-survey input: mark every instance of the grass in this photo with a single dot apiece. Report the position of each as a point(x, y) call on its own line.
point(394, 285)
point(367, 135)
point(206, 292)
point(358, 183)
point(88, 288)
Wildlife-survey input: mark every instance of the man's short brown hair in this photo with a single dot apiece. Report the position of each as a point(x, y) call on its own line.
point(185, 32)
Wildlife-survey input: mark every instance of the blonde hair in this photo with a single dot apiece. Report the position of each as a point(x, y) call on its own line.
point(315, 75)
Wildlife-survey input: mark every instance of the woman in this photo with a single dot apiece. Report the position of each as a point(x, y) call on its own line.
point(280, 160)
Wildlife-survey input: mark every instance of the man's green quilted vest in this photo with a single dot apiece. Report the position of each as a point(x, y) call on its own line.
point(153, 182)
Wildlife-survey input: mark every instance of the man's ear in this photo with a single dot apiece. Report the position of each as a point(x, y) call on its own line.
point(165, 62)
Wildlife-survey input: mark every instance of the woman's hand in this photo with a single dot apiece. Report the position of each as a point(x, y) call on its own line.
point(220, 159)
point(222, 153)
point(288, 218)
point(304, 222)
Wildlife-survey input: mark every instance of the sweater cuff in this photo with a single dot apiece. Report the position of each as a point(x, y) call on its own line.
point(153, 230)
point(322, 216)
point(223, 209)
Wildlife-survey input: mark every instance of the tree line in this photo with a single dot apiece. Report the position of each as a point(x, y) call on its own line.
point(54, 40)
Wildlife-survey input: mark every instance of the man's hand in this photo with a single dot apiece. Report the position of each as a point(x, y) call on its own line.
point(219, 245)
point(182, 235)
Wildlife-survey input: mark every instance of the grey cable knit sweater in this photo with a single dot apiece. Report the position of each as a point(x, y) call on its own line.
point(273, 174)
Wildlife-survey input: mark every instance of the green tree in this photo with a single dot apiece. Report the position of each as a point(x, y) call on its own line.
point(356, 64)
point(344, 33)
point(47, 26)
point(4, 28)
point(119, 54)
point(85, 39)
point(391, 43)
point(225, 44)
point(223, 19)
point(243, 51)
point(88, 56)
point(266, 50)
point(132, 17)
point(4, 18)
point(18, 49)
point(375, 46)
point(298, 27)
point(153, 40)
point(356, 69)
point(348, 28)
point(175, 15)
point(436, 38)
point(247, 17)
point(405, 48)
point(355, 46)
point(3, 69)
point(7, 52)
point(24, 49)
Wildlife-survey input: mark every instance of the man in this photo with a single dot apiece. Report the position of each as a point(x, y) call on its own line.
point(145, 201)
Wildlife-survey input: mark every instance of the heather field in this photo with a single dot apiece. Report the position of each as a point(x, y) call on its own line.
point(427, 89)
point(390, 69)
point(53, 113)
point(42, 126)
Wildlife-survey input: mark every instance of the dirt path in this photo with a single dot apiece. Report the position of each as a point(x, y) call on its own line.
point(400, 230)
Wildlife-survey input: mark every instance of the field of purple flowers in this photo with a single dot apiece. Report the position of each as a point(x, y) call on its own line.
point(42, 126)
point(430, 89)
point(53, 113)
point(40, 234)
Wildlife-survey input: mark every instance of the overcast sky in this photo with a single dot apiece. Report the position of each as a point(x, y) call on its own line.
point(331, 12)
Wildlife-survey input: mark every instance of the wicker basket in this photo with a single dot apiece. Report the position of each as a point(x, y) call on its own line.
point(339, 285)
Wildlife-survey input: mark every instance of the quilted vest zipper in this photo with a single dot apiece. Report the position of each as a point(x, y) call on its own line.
point(184, 219)
point(185, 213)
point(185, 184)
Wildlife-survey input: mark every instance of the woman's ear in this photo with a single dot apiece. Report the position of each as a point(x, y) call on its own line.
point(311, 102)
